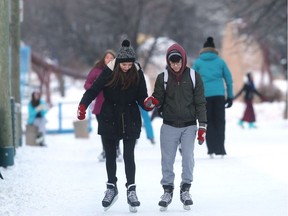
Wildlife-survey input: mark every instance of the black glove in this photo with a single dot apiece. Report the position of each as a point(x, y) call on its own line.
point(228, 102)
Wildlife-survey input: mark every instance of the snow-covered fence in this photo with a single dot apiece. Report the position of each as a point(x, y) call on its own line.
point(60, 118)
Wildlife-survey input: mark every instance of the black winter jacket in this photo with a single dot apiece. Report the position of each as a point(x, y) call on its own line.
point(120, 115)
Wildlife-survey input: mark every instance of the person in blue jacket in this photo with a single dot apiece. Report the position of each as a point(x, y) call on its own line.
point(37, 109)
point(148, 125)
point(218, 90)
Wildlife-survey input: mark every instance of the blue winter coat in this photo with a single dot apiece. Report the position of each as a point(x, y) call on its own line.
point(214, 72)
point(32, 112)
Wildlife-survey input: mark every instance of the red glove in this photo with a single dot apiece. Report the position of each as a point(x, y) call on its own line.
point(150, 103)
point(201, 135)
point(81, 112)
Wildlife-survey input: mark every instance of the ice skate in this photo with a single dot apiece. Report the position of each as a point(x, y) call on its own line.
point(132, 198)
point(102, 156)
point(152, 141)
point(185, 196)
point(40, 140)
point(111, 196)
point(241, 124)
point(166, 198)
point(118, 155)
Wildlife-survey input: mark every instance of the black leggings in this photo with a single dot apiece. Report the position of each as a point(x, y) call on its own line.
point(128, 155)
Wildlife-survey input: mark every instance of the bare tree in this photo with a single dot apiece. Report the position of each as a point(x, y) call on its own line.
point(80, 32)
point(265, 21)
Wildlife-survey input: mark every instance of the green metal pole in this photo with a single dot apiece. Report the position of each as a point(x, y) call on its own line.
point(6, 137)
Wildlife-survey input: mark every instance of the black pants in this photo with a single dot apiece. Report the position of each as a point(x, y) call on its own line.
point(128, 155)
point(215, 134)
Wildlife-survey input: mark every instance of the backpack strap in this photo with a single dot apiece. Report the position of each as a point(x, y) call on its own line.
point(165, 78)
point(192, 75)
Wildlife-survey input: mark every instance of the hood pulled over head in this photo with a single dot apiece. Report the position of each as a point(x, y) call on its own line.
point(174, 53)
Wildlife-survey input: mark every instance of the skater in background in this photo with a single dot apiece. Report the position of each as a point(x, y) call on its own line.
point(182, 106)
point(249, 90)
point(124, 88)
point(214, 73)
point(147, 125)
point(94, 73)
point(37, 109)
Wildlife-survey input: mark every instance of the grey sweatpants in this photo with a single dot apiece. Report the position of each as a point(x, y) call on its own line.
point(170, 138)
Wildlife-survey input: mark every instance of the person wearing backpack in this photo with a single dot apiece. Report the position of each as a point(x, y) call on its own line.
point(183, 107)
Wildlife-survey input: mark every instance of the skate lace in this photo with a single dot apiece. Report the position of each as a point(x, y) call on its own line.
point(109, 194)
point(186, 195)
point(166, 197)
point(132, 196)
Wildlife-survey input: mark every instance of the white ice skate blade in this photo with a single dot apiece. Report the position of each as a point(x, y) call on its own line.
point(114, 200)
point(187, 207)
point(162, 209)
point(133, 209)
point(39, 140)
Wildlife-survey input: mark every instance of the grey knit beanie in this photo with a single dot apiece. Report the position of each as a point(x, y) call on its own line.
point(126, 52)
point(174, 56)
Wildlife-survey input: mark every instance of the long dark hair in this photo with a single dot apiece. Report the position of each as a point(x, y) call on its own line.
point(35, 102)
point(131, 77)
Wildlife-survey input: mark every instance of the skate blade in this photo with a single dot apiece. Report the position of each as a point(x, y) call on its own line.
point(187, 207)
point(39, 140)
point(162, 209)
point(115, 199)
point(133, 209)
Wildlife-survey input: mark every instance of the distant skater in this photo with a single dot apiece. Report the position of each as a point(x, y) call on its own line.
point(218, 90)
point(94, 73)
point(249, 90)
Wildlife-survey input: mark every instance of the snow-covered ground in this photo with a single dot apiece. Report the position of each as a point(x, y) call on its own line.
point(66, 179)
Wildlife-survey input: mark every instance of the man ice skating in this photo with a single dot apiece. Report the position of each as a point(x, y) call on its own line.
point(183, 103)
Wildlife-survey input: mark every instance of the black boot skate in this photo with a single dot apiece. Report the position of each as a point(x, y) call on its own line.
point(132, 198)
point(185, 196)
point(166, 198)
point(111, 196)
